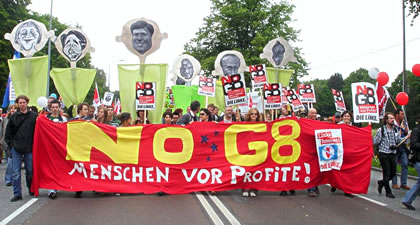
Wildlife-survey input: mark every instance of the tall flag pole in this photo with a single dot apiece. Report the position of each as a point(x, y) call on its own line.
point(9, 87)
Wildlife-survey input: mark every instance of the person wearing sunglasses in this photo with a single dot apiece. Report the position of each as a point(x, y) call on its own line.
point(205, 115)
point(252, 116)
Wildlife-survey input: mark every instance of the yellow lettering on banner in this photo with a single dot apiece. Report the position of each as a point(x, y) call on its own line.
point(231, 148)
point(173, 157)
point(82, 136)
point(283, 140)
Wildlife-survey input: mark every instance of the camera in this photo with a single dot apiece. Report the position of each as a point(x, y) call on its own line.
point(393, 147)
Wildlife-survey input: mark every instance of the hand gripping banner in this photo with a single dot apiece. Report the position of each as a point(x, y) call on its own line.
point(280, 155)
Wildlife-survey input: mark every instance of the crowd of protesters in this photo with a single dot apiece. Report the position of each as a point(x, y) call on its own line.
point(17, 129)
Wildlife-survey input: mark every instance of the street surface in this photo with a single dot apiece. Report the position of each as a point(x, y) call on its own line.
point(201, 208)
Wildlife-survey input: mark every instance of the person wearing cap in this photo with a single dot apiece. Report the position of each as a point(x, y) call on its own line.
point(337, 117)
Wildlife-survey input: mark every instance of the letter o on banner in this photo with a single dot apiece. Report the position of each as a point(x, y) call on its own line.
point(402, 98)
point(162, 155)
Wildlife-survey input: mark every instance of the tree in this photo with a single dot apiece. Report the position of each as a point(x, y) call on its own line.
point(336, 82)
point(413, 8)
point(324, 98)
point(12, 12)
point(245, 26)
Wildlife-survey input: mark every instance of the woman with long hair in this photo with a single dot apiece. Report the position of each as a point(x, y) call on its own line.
point(5, 147)
point(140, 117)
point(125, 119)
point(253, 115)
point(346, 116)
point(102, 115)
point(205, 115)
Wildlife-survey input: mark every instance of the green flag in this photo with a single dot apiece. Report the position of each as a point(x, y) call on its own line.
point(29, 76)
point(130, 74)
point(275, 75)
point(219, 98)
point(184, 95)
point(73, 84)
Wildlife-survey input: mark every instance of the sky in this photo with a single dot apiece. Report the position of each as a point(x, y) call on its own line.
point(335, 35)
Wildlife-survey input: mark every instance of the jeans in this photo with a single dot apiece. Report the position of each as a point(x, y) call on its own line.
point(389, 168)
point(9, 171)
point(16, 165)
point(403, 160)
point(411, 195)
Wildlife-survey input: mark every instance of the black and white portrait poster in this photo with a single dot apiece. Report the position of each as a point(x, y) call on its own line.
point(185, 68)
point(29, 37)
point(229, 62)
point(145, 95)
point(207, 86)
point(278, 52)
point(108, 97)
point(365, 102)
point(73, 45)
point(142, 37)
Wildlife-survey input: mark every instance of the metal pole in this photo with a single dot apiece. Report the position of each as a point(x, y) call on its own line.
point(49, 53)
point(403, 73)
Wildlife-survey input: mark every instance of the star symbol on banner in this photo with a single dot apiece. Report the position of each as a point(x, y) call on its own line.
point(213, 147)
point(204, 139)
point(216, 133)
point(208, 158)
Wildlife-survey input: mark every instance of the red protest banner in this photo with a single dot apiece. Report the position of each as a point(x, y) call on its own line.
point(280, 155)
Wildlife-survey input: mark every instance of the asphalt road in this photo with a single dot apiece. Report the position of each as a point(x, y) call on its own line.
point(200, 208)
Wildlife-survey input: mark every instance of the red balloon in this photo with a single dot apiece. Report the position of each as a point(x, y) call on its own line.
point(382, 78)
point(402, 98)
point(416, 70)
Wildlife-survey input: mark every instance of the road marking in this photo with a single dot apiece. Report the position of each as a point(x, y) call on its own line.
point(368, 199)
point(224, 210)
point(209, 209)
point(18, 211)
point(371, 200)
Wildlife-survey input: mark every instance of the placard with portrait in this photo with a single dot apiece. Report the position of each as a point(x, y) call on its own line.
point(278, 52)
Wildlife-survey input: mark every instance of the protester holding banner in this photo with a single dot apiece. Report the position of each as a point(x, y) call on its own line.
point(211, 107)
point(228, 116)
point(338, 117)
point(112, 119)
point(312, 115)
point(387, 138)
point(176, 115)
point(205, 115)
point(346, 118)
point(402, 151)
point(56, 118)
point(411, 195)
point(252, 116)
point(125, 119)
point(102, 115)
point(167, 118)
point(19, 136)
point(140, 118)
point(5, 147)
point(190, 116)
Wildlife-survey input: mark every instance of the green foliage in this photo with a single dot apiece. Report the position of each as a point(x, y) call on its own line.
point(245, 26)
point(336, 82)
point(324, 98)
point(412, 88)
point(413, 8)
point(12, 12)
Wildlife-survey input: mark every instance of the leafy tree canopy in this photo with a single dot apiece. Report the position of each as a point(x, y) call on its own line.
point(246, 26)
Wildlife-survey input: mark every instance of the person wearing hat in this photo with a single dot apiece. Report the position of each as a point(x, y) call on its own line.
point(337, 117)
